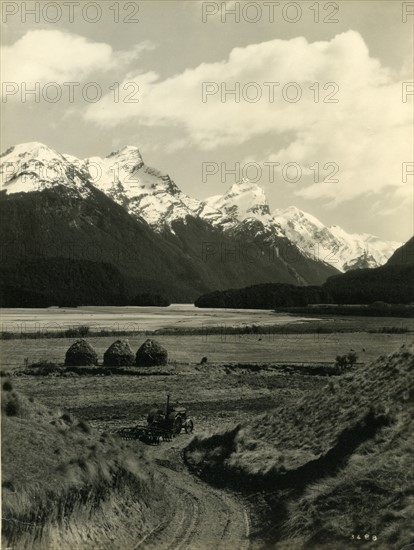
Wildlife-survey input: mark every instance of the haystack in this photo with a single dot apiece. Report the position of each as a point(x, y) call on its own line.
point(119, 354)
point(151, 353)
point(81, 354)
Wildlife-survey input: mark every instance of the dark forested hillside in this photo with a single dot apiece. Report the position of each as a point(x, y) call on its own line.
point(62, 282)
point(56, 223)
point(93, 230)
point(266, 296)
point(392, 283)
point(403, 255)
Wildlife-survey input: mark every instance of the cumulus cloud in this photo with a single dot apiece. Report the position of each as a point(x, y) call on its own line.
point(369, 138)
point(365, 129)
point(57, 56)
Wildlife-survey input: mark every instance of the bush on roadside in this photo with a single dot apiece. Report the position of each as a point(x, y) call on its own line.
point(77, 332)
point(347, 360)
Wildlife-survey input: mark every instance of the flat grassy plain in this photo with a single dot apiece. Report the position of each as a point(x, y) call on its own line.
point(184, 316)
point(213, 393)
point(256, 348)
point(217, 396)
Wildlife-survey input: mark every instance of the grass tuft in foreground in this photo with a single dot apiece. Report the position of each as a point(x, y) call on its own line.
point(334, 465)
point(61, 480)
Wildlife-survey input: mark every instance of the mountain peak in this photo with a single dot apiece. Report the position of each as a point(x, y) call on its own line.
point(130, 151)
point(245, 183)
point(143, 191)
point(147, 193)
point(333, 244)
point(244, 199)
point(33, 166)
point(292, 213)
point(30, 148)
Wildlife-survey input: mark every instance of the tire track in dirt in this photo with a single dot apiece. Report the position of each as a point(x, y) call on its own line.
point(188, 526)
point(202, 518)
point(153, 533)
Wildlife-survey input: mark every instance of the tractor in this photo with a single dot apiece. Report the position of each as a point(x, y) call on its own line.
point(161, 425)
point(172, 420)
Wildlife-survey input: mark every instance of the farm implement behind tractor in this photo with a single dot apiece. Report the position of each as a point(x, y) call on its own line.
point(161, 425)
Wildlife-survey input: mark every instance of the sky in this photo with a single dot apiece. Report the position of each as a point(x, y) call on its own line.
point(321, 114)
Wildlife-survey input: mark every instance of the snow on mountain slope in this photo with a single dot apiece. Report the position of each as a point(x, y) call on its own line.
point(34, 167)
point(149, 194)
point(332, 244)
point(245, 202)
point(143, 191)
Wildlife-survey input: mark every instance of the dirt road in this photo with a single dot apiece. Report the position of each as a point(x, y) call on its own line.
point(191, 516)
point(204, 517)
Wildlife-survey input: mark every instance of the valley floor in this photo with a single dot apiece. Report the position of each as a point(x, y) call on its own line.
point(217, 398)
point(218, 348)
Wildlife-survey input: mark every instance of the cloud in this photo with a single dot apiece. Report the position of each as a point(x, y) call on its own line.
point(56, 56)
point(366, 132)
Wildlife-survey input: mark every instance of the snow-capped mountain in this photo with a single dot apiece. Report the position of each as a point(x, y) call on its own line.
point(34, 167)
point(246, 202)
point(242, 201)
point(146, 193)
point(143, 191)
point(332, 244)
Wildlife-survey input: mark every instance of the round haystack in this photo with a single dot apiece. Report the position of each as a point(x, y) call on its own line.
point(81, 354)
point(119, 354)
point(151, 353)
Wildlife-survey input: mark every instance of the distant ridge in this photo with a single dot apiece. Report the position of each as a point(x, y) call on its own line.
point(119, 212)
point(404, 255)
point(392, 283)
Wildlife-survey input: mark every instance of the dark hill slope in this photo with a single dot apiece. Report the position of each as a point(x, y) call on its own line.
point(62, 481)
point(403, 255)
point(238, 257)
point(389, 283)
point(59, 223)
point(392, 283)
point(334, 464)
point(62, 281)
